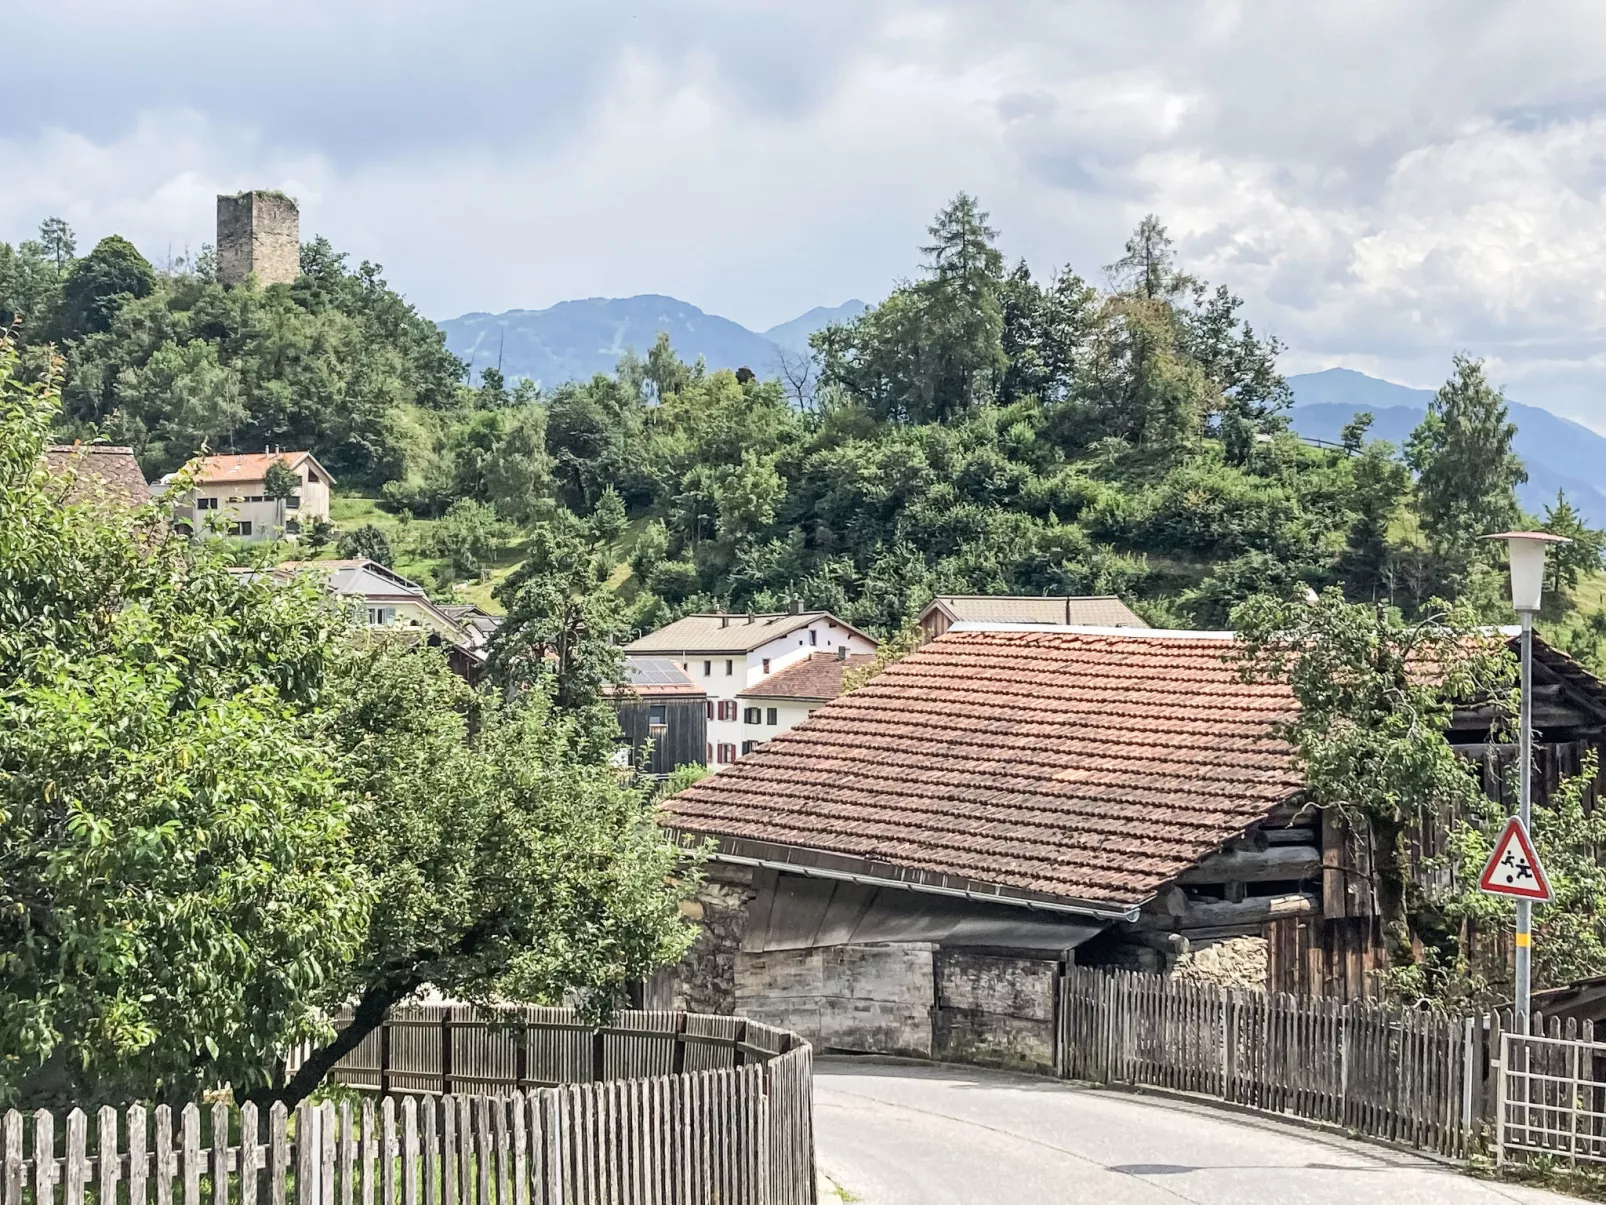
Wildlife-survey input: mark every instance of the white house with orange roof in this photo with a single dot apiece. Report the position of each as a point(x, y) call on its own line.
point(233, 489)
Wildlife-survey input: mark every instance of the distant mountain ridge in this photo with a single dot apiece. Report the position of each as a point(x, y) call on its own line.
point(1558, 453)
point(574, 340)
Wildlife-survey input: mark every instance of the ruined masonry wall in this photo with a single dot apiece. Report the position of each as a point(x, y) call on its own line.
point(258, 232)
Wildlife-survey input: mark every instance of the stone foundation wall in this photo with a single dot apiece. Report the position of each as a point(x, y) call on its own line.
point(995, 1011)
point(705, 980)
point(872, 999)
point(1231, 962)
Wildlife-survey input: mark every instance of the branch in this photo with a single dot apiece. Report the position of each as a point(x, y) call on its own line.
point(372, 1008)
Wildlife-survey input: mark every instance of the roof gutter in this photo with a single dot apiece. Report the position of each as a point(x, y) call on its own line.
point(1096, 911)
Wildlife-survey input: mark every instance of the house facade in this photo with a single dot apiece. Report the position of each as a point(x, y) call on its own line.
point(910, 868)
point(726, 654)
point(783, 700)
point(230, 489)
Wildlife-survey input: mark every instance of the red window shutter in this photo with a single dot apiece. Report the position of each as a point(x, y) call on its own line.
point(710, 709)
point(708, 758)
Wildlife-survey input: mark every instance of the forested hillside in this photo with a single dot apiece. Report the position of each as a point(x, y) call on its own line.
point(981, 430)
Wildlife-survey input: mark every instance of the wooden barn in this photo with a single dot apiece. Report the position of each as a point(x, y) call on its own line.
point(912, 866)
point(662, 717)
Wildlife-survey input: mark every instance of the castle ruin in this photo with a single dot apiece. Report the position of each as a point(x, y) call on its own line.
point(258, 232)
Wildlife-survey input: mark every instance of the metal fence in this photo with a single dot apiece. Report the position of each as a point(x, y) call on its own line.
point(1552, 1098)
point(728, 1119)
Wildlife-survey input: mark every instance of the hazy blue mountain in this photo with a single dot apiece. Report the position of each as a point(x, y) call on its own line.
point(575, 339)
point(794, 335)
point(1559, 453)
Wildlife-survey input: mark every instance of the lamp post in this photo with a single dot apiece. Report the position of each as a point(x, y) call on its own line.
point(1526, 550)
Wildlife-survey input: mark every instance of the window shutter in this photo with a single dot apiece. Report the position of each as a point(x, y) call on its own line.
point(774, 716)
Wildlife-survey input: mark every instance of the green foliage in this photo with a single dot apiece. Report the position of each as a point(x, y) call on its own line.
point(318, 535)
point(280, 480)
point(100, 285)
point(366, 541)
point(1466, 471)
point(468, 538)
point(891, 651)
point(1566, 563)
point(175, 881)
point(1375, 697)
point(562, 630)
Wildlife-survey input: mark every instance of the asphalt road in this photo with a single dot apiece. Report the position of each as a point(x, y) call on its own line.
point(912, 1135)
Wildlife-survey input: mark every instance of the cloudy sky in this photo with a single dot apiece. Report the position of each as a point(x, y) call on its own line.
point(1386, 182)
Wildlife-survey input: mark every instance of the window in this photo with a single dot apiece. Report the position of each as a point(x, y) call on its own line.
point(774, 717)
point(312, 476)
point(749, 746)
point(710, 709)
point(814, 637)
point(206, 504)
point(727, 754)
point(379, 616)
point(657, 715)
point(752, 715)
point(708, 668)
point(256, 498)
point(766, 665)
point(730, 668)
point(727, 709)
point(293, 502)
point(708, 758)
point(242, 528)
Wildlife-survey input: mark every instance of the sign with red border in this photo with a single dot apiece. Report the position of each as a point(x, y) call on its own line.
point(1513, 869)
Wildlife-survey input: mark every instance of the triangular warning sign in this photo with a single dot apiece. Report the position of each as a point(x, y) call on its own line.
point(1514, 868)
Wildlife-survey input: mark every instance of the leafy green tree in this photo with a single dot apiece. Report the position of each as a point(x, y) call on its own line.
point(468, 537)
point(563, 628)
point(280, 483)
point(1381, 483)
point(1566, 563)
point(934, 348)
point(366, 541)
point(59, 245)
point(1375, 695)
point(1467, 474)
point(318, 535)
point(509, 863)
point(176, 884)
point(100, 284)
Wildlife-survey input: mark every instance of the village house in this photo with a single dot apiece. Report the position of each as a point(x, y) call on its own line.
point(385, 599)
point(728, 654)
point(1053, 610)
point(911, 868)
point(232, 489)
point(663, 721)
point(783, 700)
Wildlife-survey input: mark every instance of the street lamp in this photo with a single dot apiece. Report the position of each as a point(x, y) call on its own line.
point(1527, 554)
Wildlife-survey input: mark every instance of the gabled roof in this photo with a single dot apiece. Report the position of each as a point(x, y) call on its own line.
point(253, 466)
point(816, 678)
point(1094, 610)
point(694, 635)
point(1089, 766)
point(359, 575)
point(100, 472)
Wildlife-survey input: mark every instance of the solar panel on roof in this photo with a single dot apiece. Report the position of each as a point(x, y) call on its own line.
point(655, 671)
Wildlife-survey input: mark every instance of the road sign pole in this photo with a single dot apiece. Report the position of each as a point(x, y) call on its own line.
point(1525, 908)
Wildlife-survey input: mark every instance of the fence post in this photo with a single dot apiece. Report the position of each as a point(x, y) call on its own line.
point(677, 1061)
point(1499, 1070)
point(598, 1055)
point(384, 1057)
point(446, 1052)
point(738, 1053)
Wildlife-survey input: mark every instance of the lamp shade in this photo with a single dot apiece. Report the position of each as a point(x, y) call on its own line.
point(1527, 552)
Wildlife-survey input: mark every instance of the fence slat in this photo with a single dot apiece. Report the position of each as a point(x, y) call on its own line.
point(11, 1173)
point(77, 1157)
point(44, 1164)
point(220, 1154)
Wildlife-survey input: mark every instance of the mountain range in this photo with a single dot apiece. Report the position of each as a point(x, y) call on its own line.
point(575, 339)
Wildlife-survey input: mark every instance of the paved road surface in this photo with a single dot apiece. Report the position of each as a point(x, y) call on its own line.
point(910, 1135)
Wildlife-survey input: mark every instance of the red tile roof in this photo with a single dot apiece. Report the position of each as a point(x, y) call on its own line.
point(1090, 767)
point(817, 676)
point(253, 466)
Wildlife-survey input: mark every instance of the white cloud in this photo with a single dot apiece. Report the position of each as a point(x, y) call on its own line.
point(1385, 184)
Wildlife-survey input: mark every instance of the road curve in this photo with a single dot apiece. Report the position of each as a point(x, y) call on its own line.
point(918, 1135)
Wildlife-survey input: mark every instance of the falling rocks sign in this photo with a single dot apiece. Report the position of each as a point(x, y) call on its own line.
point(1513, 869)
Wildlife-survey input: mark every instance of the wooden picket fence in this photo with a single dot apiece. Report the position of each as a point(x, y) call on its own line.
point(1420, 1077)
point(739, 1132)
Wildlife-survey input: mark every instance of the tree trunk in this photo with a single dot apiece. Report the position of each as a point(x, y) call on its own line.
point(1393, 873)
point(372, 1008)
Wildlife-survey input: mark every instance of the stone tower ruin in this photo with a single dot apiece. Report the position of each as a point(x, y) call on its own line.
point(260, 232)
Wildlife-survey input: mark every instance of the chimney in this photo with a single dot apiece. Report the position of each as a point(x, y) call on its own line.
point(724, 620)
point(841, 652)
point(797, 605)
point(749, 617)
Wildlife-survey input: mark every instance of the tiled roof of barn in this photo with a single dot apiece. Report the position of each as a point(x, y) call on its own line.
point(100, 472)
point(1087, 765)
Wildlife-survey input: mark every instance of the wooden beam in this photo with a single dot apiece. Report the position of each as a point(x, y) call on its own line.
point(1257, 866)
point(1256, 910)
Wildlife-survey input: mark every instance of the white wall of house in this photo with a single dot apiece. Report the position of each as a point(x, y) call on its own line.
point(726, 675)
point(787, 713)
point(240, 503)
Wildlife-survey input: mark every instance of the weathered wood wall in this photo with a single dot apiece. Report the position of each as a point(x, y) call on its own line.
point(682, 742)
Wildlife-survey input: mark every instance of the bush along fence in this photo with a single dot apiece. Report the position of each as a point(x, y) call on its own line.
point(727, 1119)
point(1449, 1084)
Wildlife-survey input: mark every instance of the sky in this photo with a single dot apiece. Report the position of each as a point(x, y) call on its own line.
point(1384, 182)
